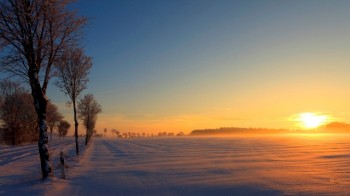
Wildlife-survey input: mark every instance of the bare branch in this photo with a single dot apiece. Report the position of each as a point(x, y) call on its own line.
point(34, 35)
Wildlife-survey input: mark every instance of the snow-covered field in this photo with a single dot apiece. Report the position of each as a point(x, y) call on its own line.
point(261, 165)
point(20, 166)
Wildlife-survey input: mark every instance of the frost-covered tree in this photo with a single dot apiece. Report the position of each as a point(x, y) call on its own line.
point(88, 108)
point(33, 36)
point(17, 113)
point(9, 110)
point(73, 71)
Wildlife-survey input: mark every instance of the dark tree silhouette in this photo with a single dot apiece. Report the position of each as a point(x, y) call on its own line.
point(33, 35)
point(105, 130)
point(53, 116)
point(63, 128)
point(17, 113)
point(88, 108)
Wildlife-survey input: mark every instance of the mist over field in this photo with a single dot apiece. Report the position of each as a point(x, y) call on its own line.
point(174, 97)
point(306, 164)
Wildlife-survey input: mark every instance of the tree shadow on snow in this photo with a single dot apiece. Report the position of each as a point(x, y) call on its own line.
point(21, 185)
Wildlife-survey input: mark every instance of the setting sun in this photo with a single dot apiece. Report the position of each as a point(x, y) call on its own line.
point(310, 120)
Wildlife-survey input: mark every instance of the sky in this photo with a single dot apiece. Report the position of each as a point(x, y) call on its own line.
point(162, 65)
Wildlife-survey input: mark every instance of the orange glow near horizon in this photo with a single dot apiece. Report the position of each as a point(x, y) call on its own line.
point(309, 120)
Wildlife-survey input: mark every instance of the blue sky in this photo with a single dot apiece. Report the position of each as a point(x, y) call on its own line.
point(181, 65)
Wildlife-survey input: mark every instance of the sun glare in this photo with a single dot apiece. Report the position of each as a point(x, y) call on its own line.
point(311, 120)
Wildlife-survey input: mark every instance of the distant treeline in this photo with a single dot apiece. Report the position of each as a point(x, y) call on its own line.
point(237, 130)
point(336, 127)
point(333, 127)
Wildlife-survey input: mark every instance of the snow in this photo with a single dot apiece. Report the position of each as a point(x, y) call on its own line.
point(259, 165)
point(20, 166)
point(43, 126)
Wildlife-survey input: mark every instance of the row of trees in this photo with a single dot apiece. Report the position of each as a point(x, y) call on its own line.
point(133, 134)
point(39, 39)
point(17, 114)
point(18, 120)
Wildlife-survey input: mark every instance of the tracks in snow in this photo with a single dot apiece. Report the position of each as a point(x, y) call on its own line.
point(10, 154)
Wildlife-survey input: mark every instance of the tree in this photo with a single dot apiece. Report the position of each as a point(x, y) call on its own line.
point(105, 130)
point(33, 35)
point(16, 113)
point(88, 108)
point(63, 128)
point(72, 74)
point(18, 116)
point(53, 116)
point(115, 131)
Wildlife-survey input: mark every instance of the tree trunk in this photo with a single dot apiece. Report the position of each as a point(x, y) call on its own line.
point(51, 129)
point(87, 131)
point(13, 136)
point(86, 137)
point(40, 103)
point(76, 124)
point(44, 148)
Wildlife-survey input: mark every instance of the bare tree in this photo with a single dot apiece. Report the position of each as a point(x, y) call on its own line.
point(88, 108)
point(72, 74)
point(63, 128)
point(33, 35)
point(53, 116)
point(12, 111)
point(16, 113)
point(115, 131)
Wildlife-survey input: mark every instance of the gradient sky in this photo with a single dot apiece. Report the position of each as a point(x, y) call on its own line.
point(183, 65)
